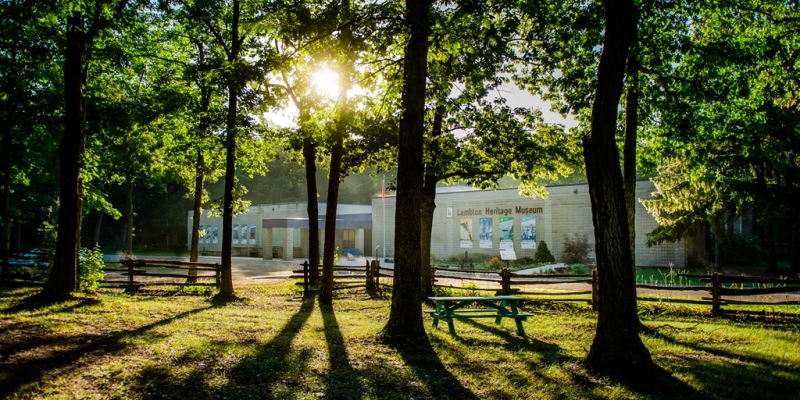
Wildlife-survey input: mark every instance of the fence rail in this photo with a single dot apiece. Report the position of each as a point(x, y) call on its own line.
point(150, 268)
point(369, 276)
point(505, 282)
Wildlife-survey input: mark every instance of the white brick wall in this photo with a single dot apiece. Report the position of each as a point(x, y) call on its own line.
point(566, 211)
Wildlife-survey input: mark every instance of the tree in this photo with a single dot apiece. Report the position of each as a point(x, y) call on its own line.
point(239, 29)
point(617, 348)
point(405, 318)
point(84, 23)
point(27, 90)
point(473, 137)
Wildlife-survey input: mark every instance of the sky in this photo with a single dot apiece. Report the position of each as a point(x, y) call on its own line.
point(326, 81)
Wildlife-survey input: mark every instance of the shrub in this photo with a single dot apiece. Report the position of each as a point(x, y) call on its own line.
point(543, 254)
point(576, 249)
point(495, 263)
point(523, 261)
point(579, 269)
point(742, 248)
point(90, 269)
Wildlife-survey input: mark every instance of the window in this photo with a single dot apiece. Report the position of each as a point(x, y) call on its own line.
point(348, 238)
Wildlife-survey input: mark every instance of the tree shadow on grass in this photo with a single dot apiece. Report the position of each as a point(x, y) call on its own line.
point(734, 375)
point(427, 366)
point(79, 347)
point(514, 341)
point(342, 381)
point(269, 373)
point(34, 304)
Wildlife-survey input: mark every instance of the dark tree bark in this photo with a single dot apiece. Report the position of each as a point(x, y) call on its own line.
point(196, 214)
point(427, 208)
point(5, 217)
point(795, 246)
point(405, 318)
point(63, 273)
point(62, 280)
point(428, 204)
point(629, 150)
point(342, 123)
point(198, 210)
point(234, 87)
point(310, 158)
point(8, 110)
point(129, 200)
point(617, 348)
point(329, 249)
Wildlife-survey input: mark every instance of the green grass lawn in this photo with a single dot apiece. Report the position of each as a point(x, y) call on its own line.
point(276, 345)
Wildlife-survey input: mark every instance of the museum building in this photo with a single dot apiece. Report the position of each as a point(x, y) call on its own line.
point(486, 221)
point(281, 231)
point(465, 220)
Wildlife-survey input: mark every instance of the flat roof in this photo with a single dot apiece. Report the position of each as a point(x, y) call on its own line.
point(346, 221)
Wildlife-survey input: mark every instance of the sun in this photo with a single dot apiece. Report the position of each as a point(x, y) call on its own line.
point(326, 82)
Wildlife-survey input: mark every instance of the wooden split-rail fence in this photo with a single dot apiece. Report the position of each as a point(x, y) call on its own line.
point(723, 290)
point(347, 277)
point(137, 273)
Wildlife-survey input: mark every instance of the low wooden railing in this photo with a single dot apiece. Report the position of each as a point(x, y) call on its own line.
point(136, 269)
point(348, 277)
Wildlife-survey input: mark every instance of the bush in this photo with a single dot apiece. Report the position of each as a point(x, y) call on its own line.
point(742, 248)
point(90, 269)
point(495, 264)
point(522, 261)
point(543, 254)
point(576, 249)
point(578, 269)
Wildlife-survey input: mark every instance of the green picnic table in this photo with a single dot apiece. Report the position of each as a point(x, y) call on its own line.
point(497, 307)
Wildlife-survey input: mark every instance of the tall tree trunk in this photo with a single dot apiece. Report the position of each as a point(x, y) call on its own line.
point(196, 214)
point(428, 203)
point(329, 249)
point(405, 317)
point(98, 226)
point(226, 276)
point(629, 150)
point(617, 348)
point(342, 123)
point(310, 158)
point(795, 246)
point(5, 217)
point(129, 216)
point(8, 111)
point(197, 211)
point(427, 208)
point(63, 280)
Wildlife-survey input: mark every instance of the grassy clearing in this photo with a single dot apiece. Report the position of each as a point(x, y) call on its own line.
point(275, 344)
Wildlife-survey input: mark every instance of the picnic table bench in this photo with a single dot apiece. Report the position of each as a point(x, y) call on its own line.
point(497, 307)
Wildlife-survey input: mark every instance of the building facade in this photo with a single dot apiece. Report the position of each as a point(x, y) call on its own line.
point(486, 221)
point(282, 231)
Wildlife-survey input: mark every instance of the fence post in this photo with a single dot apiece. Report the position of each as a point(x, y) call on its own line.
point(129, 264)
point(595, 291)
point(715, 294)
point(370, 283)
point(306, 276)
point(433, 275)
point(376, 274)
point(505, 282)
